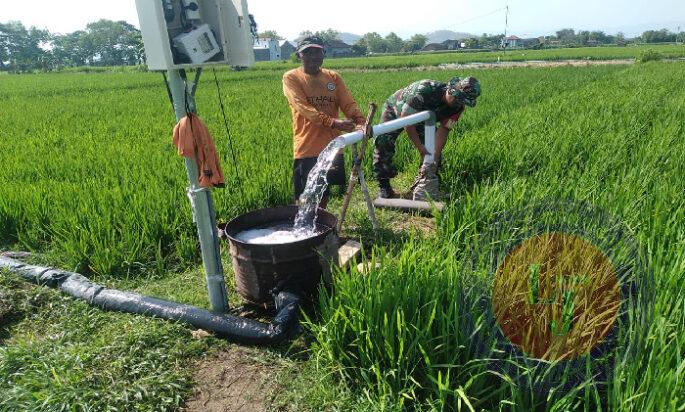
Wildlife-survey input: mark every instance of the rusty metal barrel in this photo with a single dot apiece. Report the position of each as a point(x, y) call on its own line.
point(262, 268)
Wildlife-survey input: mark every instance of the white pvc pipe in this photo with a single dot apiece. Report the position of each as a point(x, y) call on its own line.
point(400, 123)
point(391, 126)
point(352, 137)
point(430, 144)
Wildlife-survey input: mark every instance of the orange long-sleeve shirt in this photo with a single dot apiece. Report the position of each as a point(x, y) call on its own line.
point(315, 100)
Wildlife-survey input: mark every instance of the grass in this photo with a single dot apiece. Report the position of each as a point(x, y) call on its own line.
point(62, 354)
point(97, 186)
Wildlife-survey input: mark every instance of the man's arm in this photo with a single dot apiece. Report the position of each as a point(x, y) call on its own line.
point(414, 137)
point(414, 105)
point(440, 140)
point(443, 132)
point(347, 104)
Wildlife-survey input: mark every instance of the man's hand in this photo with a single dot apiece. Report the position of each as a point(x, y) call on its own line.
point(414, 137)
point(345, 125)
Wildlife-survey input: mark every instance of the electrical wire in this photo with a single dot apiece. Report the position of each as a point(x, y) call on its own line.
point(228, 134)
point(481, 16)
point(168, 90)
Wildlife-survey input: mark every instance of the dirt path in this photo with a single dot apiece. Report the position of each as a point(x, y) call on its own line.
point(231, 381)
point(510, 64)
point(536, 63)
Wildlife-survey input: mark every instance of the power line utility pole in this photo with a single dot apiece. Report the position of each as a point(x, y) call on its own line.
point(506, 26)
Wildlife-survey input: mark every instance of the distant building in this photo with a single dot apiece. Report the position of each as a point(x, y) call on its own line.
point(434, 47)
point(338, 48)
point(452, 44)
point(287, 49)
point(511, 41)
point(532, 42)
point(266, 50)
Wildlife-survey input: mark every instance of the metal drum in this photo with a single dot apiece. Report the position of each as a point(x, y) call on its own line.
point(260, 268)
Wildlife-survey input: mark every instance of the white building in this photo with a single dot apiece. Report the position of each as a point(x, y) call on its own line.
point(266, 50)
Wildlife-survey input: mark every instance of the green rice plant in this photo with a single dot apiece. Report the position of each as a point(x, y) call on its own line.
point(90, 177)
point(591, 142)
point(649, 55)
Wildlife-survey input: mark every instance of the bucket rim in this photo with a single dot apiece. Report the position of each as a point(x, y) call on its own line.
point(322, 214)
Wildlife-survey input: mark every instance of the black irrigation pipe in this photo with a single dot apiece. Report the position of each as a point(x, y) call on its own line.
point(233, 328)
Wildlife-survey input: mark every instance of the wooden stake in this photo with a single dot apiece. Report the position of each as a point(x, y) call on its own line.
point(358, 157)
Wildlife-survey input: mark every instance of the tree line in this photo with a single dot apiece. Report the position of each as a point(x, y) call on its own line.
point(102, 43)
point(584, 37)
point(368, 43)
point(391, 43)
point(118, 43)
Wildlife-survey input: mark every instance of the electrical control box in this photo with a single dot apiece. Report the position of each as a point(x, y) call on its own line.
point(180, 34)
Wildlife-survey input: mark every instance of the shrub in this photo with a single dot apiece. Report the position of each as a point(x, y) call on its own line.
point(649, 55)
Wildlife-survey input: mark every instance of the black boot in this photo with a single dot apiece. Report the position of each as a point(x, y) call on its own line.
point(385, 191)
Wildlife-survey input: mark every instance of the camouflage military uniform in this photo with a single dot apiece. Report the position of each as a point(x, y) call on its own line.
point(418, 96)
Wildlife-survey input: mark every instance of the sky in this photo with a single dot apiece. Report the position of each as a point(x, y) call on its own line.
point(527, 18)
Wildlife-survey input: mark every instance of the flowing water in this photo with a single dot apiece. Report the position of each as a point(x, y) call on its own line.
point(315, 188)
point(276, 234)
point(304, 226)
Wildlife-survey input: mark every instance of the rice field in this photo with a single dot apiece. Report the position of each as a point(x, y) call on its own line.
point(91, 179)
point(401, 61)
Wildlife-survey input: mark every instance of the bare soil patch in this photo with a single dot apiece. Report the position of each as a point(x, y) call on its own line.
point(232, 380)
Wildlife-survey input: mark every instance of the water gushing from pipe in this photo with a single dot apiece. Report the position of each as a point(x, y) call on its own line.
point(315, 188)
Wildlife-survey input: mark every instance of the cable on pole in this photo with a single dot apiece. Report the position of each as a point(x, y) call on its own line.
point(228, 134)
point(481, 16)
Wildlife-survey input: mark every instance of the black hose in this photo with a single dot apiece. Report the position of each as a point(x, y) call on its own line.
point(233, 328)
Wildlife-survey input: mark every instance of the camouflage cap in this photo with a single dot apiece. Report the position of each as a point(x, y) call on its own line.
point(466, 90)
point(311, 41)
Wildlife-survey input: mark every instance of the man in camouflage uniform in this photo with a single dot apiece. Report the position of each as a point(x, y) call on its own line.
point(447, 100)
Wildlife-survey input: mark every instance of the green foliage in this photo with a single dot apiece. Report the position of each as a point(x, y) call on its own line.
point(66, 355)
point(104, 43)
point(373, 42)
point(658, 36)
point(394, 43)
point(415, 43)
point(92, 178)
point(270, 34)
point(413, 335)
point(649, 55)
point(327, 35)
point(21, 48)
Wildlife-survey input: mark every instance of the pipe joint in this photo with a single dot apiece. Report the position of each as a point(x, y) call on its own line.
point(432, 119)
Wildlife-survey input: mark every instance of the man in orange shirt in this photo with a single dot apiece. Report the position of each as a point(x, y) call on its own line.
point(316, 96)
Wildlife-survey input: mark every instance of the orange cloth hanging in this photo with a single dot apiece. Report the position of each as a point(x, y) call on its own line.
point(193, 140)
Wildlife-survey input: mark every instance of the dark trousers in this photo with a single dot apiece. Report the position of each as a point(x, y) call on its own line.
point(302, 167)
point(384, 146)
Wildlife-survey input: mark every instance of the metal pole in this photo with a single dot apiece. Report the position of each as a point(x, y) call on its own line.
point(506, 26)
point(201, 202)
